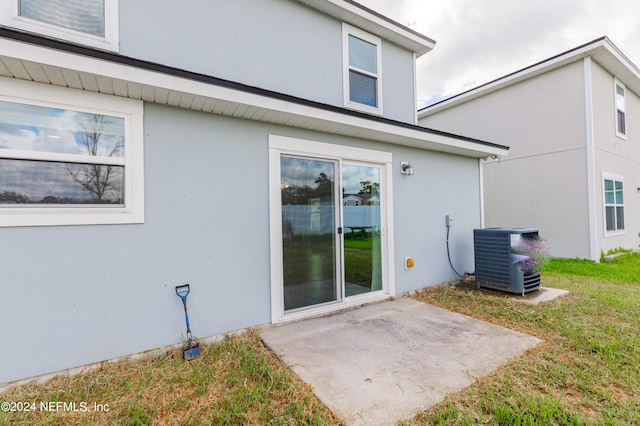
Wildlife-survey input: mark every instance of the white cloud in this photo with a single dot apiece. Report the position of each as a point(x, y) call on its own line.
point(353, 175)
point(481, 40)
point(54, 130)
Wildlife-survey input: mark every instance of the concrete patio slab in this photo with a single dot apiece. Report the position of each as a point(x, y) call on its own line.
point(386, 362)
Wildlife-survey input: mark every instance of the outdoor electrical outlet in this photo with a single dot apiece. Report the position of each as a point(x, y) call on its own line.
point(408, 263)
point(449, 220)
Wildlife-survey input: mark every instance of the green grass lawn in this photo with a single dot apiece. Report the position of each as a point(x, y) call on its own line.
point(300, 253)
point(359, 262)
point(624, 269)
point(586, 372)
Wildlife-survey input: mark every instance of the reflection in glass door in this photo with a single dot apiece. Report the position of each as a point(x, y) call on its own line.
point(361, 219)
point(309, 238)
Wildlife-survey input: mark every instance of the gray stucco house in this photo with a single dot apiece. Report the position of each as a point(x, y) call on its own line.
point(572, 124)
point(155, 145)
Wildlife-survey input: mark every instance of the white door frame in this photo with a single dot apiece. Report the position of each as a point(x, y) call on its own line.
point(292, 146)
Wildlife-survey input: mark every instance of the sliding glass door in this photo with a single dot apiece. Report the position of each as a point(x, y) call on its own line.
point(310, 250)
point(329, 240)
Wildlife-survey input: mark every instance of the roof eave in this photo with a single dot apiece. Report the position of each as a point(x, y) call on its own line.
point(362, 17)
point(116, 75)
point(601, 50)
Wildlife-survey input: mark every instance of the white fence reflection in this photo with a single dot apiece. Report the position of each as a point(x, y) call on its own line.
point(320, 218)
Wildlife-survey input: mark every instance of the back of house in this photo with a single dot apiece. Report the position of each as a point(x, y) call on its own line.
point(149, 144)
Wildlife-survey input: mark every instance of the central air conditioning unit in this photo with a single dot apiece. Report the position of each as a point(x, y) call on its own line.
point(497, 264)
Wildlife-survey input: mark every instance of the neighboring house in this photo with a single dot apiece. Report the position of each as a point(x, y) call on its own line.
point(573, 171)
point(130, 144)
point(360, 199)
point(352, 200)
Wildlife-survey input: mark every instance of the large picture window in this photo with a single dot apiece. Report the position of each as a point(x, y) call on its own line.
point(613, 203)
point(69, 163)
point(86, 152)
point(362, 70)
point(90, 22)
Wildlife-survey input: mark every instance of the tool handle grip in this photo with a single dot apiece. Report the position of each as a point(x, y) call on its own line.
point(182, 291)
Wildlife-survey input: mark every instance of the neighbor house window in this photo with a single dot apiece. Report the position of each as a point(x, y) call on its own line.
point(362, 70)
point(613, 203)
point(91, 22)
point(71, 163)
point(621, 117)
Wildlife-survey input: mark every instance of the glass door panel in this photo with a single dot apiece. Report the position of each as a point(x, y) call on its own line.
point(361, 219)
point(309, 238)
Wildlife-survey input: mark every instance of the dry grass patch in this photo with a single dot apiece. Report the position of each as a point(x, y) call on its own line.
point(237, 381)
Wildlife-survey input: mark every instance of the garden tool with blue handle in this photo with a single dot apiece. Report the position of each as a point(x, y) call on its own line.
point(191, 348)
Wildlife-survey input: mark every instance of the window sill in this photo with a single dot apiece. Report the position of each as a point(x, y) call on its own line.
point(18, 217)
point(363, 108)
point(621, 136)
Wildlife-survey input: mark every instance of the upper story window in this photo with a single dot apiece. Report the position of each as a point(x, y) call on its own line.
point(362, 70)
point(613, 203)
point(90, 22)
point(72, 163)
point(621, 117)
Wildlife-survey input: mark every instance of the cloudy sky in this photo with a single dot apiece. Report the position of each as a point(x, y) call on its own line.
point(480, 40)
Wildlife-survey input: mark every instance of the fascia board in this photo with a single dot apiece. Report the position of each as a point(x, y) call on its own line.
point(602, 50)
point(325, 120)
point(615, 62)
point(501, 83)
point(368, 20)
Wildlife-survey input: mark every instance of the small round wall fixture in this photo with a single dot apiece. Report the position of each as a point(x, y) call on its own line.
point(406, 168)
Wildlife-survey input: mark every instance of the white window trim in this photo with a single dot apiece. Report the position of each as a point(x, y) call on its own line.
point(9, 17)
point(613, 177)
point(131, 110)
point(350, 30)
point(622, 107)
point(292, 146)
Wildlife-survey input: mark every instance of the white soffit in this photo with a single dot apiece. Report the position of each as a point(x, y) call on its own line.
point(602, 51)
point(51, 66)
